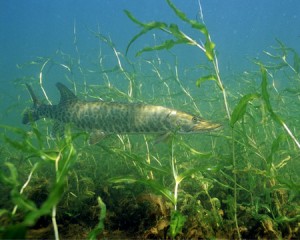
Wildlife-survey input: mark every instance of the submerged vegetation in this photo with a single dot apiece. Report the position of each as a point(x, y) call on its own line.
point(241, 182)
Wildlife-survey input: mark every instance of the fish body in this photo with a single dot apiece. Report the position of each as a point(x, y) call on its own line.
point(113, 117)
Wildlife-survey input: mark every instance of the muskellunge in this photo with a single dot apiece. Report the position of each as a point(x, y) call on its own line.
point(114, 117)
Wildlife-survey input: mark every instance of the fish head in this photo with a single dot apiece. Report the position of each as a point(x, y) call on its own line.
point(187, 123)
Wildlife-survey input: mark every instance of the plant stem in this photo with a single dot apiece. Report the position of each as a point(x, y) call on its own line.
point(55, 228)
point(25, 185)
point(235, 187)
point(216, 67)
point(175, 175)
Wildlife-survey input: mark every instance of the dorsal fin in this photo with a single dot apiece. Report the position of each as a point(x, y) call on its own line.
point(66, 95)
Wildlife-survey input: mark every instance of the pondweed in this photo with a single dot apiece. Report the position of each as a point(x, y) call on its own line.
point(242, 182)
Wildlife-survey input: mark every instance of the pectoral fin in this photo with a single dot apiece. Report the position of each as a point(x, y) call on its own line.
point(163, 137)
point(96, 136)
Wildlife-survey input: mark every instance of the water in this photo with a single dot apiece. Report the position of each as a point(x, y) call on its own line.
point(246, 177)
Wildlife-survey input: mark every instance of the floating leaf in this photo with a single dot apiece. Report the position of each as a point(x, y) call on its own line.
point(240, 108)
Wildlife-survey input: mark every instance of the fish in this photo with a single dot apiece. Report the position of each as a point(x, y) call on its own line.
point(113, 117)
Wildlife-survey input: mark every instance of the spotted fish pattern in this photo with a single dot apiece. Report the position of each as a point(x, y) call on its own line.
point(113, 117)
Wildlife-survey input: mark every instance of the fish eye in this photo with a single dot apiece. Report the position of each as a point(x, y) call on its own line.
point(195, 119)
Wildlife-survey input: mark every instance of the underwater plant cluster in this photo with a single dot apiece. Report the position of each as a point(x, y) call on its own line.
point(240, 182)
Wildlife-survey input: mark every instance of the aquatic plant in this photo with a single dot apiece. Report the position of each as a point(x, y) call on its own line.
point(61, 156)
point(182, 38)
point(245, 184)
point(239, 110)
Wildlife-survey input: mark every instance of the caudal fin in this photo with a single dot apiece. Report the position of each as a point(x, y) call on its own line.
point(31, 115)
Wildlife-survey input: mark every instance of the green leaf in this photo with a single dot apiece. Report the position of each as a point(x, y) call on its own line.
point(4, 212)
point(209, 50)
point(179, 14)
point(266, 97)
point(203, 79)
point(132, 18)
point(201, 27)
point(176, 32)
point(275, 146)
point(183, 17)
point(127, 179)
point(240, 108)
point(13, 178)
point(150, 183)
point(276, 66)
point(264, 91)
point(176, 223)
point(146, 28)
point(160, 188)
point(185, 174)
point(283, 48)
point(17, 231)
point(100, 226)
point(209, 45)
point(165, 45)
point(52, 200)
point(276, 143)
point(22, 202)
point(195, 152)
point(296, 62)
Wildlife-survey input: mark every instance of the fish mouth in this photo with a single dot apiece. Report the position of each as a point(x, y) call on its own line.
point(205, 126)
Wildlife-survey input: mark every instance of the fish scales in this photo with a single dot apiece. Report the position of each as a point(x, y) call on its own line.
point(113, 117)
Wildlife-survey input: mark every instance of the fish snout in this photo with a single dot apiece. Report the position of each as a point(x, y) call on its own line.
point(205, 126)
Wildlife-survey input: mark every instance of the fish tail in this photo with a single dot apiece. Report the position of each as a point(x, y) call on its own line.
point(31, 114)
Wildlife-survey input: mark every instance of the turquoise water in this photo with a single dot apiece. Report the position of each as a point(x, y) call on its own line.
point(241, 181)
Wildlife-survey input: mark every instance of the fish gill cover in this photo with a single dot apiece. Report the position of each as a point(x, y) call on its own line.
point(240, 182)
